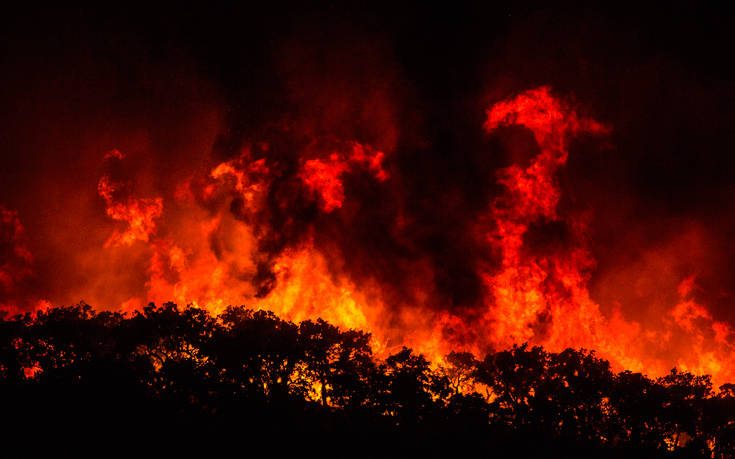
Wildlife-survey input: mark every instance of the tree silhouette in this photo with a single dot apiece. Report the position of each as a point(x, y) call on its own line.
point(251, 377)
point(514, 376)
point(579, 386)
point(460, 369)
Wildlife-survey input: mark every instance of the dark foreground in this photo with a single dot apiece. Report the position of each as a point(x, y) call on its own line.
point(181, 381)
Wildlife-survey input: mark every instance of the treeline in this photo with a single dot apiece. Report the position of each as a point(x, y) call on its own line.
point(182, 378)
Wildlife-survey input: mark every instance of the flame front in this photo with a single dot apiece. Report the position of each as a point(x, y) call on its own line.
point(257, 230)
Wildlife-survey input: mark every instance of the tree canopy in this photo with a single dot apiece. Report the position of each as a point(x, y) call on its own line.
point(252, 378)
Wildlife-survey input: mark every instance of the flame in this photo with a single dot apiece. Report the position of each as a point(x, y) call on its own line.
point(322, 177)
point(212, 245)
point(138, 213)
point(544, 299)
point(530, 289)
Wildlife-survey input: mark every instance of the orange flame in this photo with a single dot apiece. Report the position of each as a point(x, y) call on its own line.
point(204, 254)
point(323, 177)
point(138, 213)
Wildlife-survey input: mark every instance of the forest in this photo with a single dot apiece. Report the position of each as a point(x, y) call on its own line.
point(184, 379)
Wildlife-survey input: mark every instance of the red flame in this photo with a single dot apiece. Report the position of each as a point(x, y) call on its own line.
point(210, 247)
point(138, 213)
point(322, 177)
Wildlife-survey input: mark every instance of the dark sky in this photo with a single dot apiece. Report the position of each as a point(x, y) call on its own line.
point(74, 79)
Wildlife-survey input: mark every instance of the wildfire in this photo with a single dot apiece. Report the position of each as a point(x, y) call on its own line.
point(322, 177)
point(138, 213)
point(216, 244)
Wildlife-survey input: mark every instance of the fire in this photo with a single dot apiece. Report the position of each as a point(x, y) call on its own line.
point(322, 177)
point(530, 290)
point(544, 299)
point(138, 213)
point(255, 230)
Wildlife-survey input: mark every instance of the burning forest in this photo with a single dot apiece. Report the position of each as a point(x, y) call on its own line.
point(431, 188)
